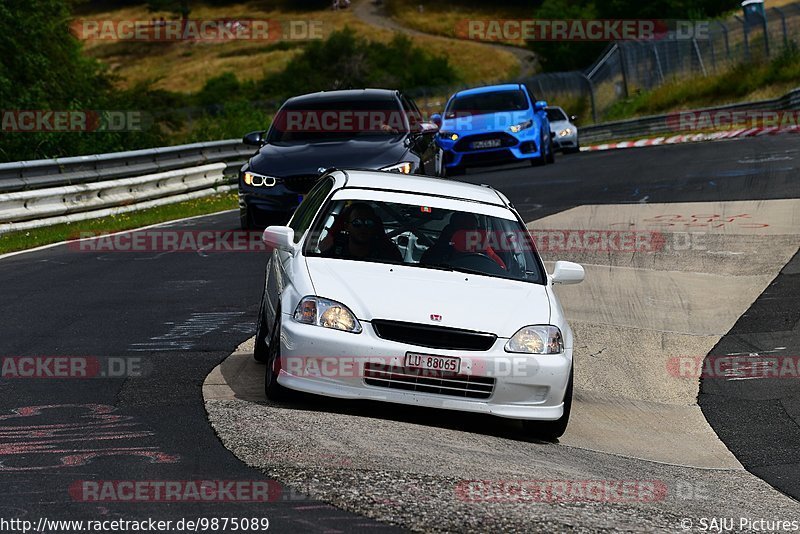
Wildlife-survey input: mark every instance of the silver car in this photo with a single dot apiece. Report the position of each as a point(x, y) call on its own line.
point(563, 130)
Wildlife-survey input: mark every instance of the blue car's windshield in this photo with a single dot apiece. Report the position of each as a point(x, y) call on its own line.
point(483, 103)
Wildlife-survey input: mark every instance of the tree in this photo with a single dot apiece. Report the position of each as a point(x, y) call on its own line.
point(173, 6)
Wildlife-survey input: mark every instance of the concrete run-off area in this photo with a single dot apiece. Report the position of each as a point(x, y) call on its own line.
point(634, 418)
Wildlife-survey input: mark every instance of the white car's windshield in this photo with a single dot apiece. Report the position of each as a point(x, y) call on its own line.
point(427, 237)
point(555, 114)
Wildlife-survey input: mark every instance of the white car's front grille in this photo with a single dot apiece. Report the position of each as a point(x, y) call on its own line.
point(428, 381)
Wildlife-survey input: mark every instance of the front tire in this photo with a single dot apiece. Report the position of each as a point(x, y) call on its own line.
point(454, 171)
point(244, 220)
point(260, 351)
point(274, 391)
point(551, 154)
point(552, 430)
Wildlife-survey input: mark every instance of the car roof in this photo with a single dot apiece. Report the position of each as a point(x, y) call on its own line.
point(489, 89)
point(425, 185)
point(345, 94)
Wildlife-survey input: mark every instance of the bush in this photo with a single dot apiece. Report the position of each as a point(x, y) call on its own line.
point(344, 60)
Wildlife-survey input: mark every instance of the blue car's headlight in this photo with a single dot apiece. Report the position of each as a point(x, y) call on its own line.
point(451, 136)
point(521, 126)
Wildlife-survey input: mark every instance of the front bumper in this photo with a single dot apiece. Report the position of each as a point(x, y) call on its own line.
point(274, 205)
point(527, 145)
point(565, 143)
point(332, 363)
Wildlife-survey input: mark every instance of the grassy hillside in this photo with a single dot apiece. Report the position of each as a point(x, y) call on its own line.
point(187, 66)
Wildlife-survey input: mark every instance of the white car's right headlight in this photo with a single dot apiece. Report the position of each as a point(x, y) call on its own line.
point(565, 132)
point(536, 339)
point(327, 313)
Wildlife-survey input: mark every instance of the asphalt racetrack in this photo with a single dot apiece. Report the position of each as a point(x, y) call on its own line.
point(731, 216)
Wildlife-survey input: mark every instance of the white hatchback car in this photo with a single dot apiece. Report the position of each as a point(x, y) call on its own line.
point(418, 291)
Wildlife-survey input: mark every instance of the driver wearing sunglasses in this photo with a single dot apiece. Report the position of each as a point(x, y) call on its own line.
point(363, 236)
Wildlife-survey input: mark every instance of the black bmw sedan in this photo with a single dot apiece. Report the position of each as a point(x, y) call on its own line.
point(377, 129)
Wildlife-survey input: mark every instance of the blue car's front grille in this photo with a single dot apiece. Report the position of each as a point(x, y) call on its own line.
point(465, 143)
point(486, 158)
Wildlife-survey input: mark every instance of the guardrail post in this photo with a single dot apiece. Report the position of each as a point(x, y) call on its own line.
point(591, 96)
point(727, 42)
point(746, 37)
point(783, 25)
point(658, 62)
point(699, 56)
point(623, 69)
point(713, 55)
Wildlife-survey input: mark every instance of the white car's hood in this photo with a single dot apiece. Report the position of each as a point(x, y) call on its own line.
point(413, 294)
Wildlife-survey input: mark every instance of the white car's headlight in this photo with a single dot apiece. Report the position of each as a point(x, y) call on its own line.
point(404, 167)
point(565, 132)
point(538, 339)
point(521, 126)
point(326, 313)
point(259, 180)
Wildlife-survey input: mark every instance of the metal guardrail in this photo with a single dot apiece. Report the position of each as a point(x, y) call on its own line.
point(43, 173)
point(52, 191)
point(22, 210)
point(662, 124)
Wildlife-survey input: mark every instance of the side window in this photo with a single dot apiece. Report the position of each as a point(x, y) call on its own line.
point(412, 112)
point(305, 213)
point(531, 96)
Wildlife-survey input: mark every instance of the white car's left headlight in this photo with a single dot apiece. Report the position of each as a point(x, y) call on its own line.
point(404, 167)
point(327, 313)
point(537, 339)
point(565, 132)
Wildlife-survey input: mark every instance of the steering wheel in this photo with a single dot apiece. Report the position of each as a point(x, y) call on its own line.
point(477, 262)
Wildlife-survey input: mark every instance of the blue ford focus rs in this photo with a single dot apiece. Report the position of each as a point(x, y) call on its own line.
point(491, 125)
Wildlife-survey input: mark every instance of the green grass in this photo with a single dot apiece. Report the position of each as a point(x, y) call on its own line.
point(25, 239)
point(755, 80)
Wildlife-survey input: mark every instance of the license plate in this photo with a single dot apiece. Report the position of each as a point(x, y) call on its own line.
point(435, 363)
point(488, 143)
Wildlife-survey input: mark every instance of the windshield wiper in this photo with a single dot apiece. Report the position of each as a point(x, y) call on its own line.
point(448, 267)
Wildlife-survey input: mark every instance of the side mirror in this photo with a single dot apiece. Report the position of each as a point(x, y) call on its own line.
point(566, 272)
point(436, 119)
point(573, 118)
point(254, 139)
point(279, 237)
point(540, 105)
point(429, 128)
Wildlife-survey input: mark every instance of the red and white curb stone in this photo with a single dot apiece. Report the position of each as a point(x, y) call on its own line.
point(693, 138)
